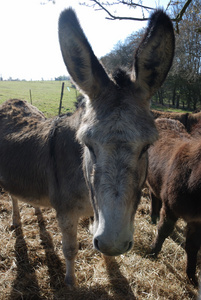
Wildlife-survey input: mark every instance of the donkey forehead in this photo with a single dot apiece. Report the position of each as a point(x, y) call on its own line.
point(120, 126)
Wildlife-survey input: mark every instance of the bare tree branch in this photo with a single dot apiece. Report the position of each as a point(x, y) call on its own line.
point(112, 16)
point(136, 4)
point(102, 6)
point(181, 13)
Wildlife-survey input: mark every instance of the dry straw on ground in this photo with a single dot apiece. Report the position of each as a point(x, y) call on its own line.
point(32, 264)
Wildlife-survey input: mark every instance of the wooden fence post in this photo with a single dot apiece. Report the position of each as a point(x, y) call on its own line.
point(30, 96)
point(62, 92)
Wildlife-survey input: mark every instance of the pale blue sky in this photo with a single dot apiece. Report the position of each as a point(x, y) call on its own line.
point(29, 39)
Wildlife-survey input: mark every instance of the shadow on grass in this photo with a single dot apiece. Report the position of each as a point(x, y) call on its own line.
point(55, 268)
point(25, 286)
point(119, 283)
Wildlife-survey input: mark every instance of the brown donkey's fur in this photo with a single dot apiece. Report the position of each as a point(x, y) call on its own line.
point(174, 179)
point(41, 162)
point(189, 120)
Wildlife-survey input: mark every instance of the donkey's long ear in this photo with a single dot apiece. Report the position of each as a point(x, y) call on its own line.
point(83, 66)
point(154, 56)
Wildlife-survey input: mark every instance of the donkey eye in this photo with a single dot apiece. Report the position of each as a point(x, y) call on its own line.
point(91, 150)
point(144, 150)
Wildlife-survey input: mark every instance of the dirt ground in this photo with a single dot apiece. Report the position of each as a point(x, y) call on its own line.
point(32, 264)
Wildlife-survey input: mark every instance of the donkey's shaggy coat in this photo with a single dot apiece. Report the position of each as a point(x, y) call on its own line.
point(174, 179)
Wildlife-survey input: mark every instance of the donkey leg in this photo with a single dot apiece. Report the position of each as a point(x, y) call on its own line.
point(38, 213)
point(15, 213)
point(68, 225)
point(193, 243)
point(155, 208)
point(164, 229)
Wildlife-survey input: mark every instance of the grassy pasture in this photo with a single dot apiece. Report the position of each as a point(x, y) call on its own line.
point(45, 94)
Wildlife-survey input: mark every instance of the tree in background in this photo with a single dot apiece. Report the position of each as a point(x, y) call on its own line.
point(113, 8)
point(182, 87)
point(186, 70)
point(122, 54)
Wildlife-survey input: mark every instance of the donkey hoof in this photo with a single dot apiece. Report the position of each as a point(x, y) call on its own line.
point(70, 282)
point(154, 219)
point(14, 226)
point(193, 280)
point(153, 252)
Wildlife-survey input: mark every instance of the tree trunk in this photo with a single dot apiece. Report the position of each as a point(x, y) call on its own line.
point(160, 95)
point(178, 99)
point(173, 96)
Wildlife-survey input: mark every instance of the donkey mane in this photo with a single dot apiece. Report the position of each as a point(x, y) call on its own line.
point(122, 78)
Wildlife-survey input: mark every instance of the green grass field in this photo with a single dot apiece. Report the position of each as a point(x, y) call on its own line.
point(45, 94)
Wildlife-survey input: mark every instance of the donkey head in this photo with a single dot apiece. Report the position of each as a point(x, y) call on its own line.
point(117, 127)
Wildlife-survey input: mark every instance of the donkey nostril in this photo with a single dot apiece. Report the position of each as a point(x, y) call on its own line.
point(96, 244)
point(130, 245)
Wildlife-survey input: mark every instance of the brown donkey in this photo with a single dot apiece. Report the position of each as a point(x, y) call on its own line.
point(41, 161)
point(189, 120)
point(174, 180)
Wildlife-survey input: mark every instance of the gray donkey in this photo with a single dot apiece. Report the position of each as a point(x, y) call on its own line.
point(43, 161)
